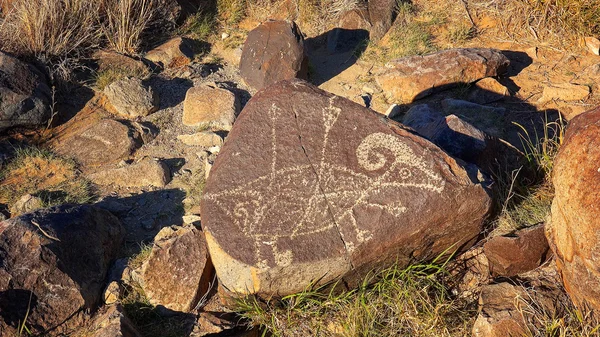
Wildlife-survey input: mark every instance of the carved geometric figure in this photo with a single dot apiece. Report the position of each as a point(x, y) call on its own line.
point(310, 186)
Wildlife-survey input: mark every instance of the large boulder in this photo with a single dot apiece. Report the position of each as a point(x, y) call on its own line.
point(414, 77)
point(273, 51)
point(573, 229)
point(131, 98)
point(24, 94)
point(53, 264)
point(310, 187)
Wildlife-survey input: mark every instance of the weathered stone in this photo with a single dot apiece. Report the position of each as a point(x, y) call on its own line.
point(352, 29)
point(382, 14)
point(147, 172)
point(572, 231)
point(54, 262)
point(486, 118)
point(26, 204)
point(104, 142)
point(414, 77)
point(471, 272)
point(204, 139)
point(174, 53)
point(210, 106)
point(487, 90)
point(311, 186)
point(131, 98)
point(24, 94)
point(273, 51)
point(565, 92)
point(501, 312)
point(109, 60)
point(214, 323)
point(523, 251)
point(178, 272)
point(110, 322)
point(593, 45)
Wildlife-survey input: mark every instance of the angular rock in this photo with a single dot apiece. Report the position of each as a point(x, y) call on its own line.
point(110, 60)
point(352, 29)
point(382, 14)
point(147, 172)
point(204, 138)
point(104, 142)
point(210, 106)
point(414, 77)
point(501, 312)
point(572, 231)
point(523, 251)
point(565, 92)
point(111, 322)
point(25, 97)
point(26, 204)
point(311, 186)
point(174, 53)
point(131, 98)
point(178, 272)
point(55, 262)
point(486, 118)
point(272, 52)
point(593, 44)
point(487, 90)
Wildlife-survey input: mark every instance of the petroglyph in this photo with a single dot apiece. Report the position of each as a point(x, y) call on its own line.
point(269, 208)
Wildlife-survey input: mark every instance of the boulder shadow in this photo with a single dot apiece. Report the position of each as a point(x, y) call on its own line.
point(171, 92)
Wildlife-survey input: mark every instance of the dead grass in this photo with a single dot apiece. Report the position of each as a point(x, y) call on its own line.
point(41, 173)
point(124, 21)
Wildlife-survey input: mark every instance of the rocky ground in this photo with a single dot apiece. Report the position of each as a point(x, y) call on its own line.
point(141, 148)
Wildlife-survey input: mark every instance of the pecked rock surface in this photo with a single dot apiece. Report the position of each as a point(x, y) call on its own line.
point(573, 229)
point(54, 261)
point(310, 187)
point(414, 77)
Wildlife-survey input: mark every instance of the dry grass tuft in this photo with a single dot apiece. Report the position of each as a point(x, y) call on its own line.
point(39, 172)
point(124, 21)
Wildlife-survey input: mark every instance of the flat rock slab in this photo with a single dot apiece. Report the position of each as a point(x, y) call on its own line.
point(414, 77)
point(208, 106)
point(310, 187)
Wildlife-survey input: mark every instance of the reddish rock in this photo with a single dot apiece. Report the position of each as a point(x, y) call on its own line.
point(523, 251)
point(208, 106)
point(573, 229)
point(110, 60)
point(273, 51)
point(382, 14)
point(54, 262)
point(311, 186)
point(110, 321)
point(174, 53)
point(414, 77)
point(501, 307)
point(178, 272)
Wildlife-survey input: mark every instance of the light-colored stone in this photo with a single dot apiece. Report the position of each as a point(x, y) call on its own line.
point(179, 271)
point(210, 106)
point(593, 45)
point(131, 98)
point(174, 53)
point(26, 204)
point(565, 92)
point(191, 219)
point(204, 139)
point(112, 292)
point(147, 172)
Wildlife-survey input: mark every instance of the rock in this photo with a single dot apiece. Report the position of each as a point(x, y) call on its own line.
point(382, 14)
point(414, 77)
point(191, 219)
point(523, 251)
point(146, 172)
point(174, 53)
point(25, 97)
point(593, 45)
point(111, 322)
point(131, 98)
point(501, 307)
point(272, 52)
point(204, 138)
point(351, 31)
point(178, 272)
point(26, 204)
point(210, 106)
point(471, 271)
point(55, 262)
point(112, 293)
point(487, 90)
point(110, 60)
point(419, 117)
point(486, 118)
point(104, 142)
point(565, 92)
point(214, 323)
point(572, 231)
point(394, 112)
point(311, 186)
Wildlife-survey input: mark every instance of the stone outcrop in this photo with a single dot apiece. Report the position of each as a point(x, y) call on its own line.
point(25, 97)
point(310, 187)
point(573, 229)
point(414, 77)
point(210, 106)
point(53, 264)
point(272, 52)
point(178, 272)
